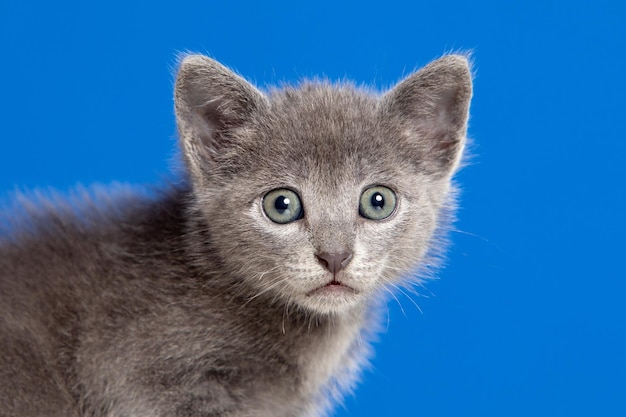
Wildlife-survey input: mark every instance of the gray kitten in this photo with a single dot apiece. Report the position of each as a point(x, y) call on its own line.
point(247, 288)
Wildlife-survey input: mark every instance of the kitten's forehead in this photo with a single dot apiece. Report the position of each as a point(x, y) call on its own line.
point(314, 101)
point(325, 131)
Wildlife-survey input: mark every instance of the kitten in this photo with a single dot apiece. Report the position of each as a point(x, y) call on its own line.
point(247, 288)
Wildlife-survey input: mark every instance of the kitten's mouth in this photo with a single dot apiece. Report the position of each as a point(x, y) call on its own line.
point(333, 287)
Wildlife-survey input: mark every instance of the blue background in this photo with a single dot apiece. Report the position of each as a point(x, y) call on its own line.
point(528, 317)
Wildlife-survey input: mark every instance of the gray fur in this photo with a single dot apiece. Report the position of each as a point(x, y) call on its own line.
point(189, 301)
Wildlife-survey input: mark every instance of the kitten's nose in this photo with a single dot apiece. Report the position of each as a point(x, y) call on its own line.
point(334, 262)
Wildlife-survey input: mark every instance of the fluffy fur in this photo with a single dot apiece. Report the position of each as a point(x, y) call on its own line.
point(189, 300)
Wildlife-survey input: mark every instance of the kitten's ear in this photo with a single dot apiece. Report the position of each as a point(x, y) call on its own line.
point(210, 101)
point(432, 107)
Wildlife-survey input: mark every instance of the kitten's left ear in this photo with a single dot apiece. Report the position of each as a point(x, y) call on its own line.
point(432, 107)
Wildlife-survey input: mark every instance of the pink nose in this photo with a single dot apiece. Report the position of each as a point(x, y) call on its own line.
point(334, 262)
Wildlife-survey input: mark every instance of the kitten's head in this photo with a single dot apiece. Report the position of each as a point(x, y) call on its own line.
point(322, 195)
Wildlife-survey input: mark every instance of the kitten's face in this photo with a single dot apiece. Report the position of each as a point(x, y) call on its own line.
point(321, 196)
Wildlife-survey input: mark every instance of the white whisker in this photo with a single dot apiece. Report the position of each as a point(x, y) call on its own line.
point(270, 287)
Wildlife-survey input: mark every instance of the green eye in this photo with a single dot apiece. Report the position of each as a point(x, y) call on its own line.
point(377, 203)
point(282, 206)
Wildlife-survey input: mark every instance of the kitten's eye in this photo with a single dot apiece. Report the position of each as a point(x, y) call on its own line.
point(377, 203)
point(282, 206)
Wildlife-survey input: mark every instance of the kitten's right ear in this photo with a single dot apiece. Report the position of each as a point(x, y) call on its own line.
point(210, 101)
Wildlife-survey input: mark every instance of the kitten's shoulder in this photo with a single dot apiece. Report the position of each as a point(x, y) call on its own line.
point(85, 210)
point(49, 234)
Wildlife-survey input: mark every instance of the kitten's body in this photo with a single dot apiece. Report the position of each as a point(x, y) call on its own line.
point(193, 302)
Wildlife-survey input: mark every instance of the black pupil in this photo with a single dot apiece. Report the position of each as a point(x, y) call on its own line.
point(378, 201)
point(281, 204)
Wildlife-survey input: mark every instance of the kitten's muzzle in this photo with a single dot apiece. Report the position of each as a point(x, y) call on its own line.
point(334, 262)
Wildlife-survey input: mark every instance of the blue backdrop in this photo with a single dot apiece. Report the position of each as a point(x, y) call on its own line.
point(528, 317)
